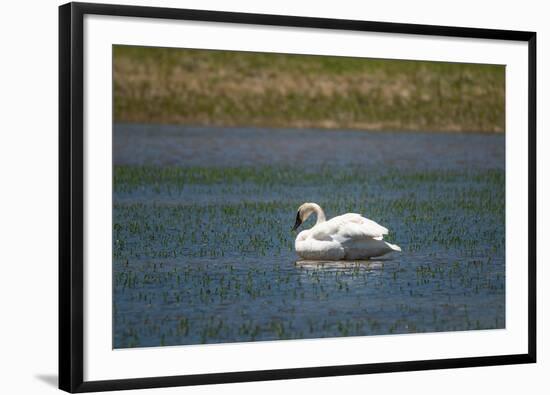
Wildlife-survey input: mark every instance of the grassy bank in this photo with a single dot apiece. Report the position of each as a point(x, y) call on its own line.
point(178, 86)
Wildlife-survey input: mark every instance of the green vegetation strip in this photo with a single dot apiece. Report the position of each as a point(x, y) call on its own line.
point(128, 178)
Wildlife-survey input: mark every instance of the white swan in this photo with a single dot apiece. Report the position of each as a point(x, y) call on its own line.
point(346, 237)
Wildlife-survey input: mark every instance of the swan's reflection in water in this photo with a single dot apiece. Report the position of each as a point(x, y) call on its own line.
point(372, 264)
point(361, 275)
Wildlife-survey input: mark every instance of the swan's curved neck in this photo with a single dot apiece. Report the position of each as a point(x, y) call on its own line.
point(320, 213)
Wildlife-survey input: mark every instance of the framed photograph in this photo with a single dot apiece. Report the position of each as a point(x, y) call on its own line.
point(253, 197)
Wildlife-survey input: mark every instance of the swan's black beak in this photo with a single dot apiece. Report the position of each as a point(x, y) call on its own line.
point(298, 221)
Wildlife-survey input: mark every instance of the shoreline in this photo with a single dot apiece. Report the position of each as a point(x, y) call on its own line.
point(229, 128)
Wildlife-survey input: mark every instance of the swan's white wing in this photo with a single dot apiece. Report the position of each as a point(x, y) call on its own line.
point(353, 232)
point(348, 227)
point(324, 231)
point(360, 227)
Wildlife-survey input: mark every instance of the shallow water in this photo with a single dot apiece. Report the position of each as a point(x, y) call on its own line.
point(203, 251)
point(208, 146)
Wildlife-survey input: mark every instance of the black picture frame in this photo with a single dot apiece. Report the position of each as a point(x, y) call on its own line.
point(71, 205)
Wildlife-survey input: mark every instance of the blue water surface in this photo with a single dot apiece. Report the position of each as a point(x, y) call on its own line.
point(203, 253)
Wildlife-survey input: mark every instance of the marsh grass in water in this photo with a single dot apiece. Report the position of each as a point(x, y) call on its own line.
point(205, 254)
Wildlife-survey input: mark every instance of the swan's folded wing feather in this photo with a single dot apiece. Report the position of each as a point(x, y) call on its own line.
point(351, 231)
point(361, 227)
point(348, 227)
point(324, 231)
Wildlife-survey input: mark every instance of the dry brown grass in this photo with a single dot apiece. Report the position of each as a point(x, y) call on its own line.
point(160, 85)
